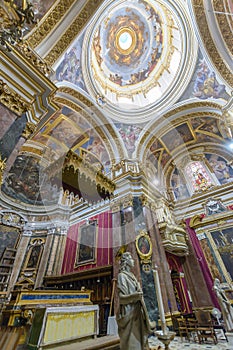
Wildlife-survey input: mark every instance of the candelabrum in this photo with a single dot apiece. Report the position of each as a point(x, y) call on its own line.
point(165, 336)
point(14, 20)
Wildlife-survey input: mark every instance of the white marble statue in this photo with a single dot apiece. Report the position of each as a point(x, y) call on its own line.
point(133, 322)
point(225, 305)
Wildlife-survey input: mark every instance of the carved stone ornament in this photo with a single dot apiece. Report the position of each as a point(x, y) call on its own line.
point(14, 18)
point(12, 100)
point(214, 206)
point(144, 247)
point(12, 219)
point(35, 60)
point(29, 129)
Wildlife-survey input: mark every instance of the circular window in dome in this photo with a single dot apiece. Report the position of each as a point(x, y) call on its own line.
point(139, 55)
point(125, 40)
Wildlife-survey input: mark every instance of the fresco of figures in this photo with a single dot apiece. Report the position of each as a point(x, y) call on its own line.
point(67, 130)
point(70, 67)
point(27, 182)
point(221, 167)
point(129, 135)
point(110, 50)
point(206, 83)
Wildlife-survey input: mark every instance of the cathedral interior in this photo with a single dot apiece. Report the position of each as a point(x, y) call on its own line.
point(116, 121)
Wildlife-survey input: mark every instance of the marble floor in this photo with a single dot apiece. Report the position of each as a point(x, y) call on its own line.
point(182, 344)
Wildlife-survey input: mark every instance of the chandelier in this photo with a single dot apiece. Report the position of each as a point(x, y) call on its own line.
point(15, 15)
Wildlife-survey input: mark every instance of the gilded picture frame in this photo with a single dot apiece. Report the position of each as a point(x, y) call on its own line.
point(144, 246)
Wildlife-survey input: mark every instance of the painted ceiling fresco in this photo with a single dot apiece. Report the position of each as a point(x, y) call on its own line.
point(133, 52)
point(130, 55)
point(206, 83)
point(68, 129)
point(196, 131)
point(70, 67)
point(129, 135)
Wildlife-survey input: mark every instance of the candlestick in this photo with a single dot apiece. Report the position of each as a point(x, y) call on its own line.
point(160, 300)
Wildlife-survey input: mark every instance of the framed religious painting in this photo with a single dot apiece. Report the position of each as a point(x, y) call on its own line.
point(144, 246)
point(86, 246)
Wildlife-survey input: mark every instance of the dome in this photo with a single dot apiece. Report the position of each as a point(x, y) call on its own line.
point(137, 51)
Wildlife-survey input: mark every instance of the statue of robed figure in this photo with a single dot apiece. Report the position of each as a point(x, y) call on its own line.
point(133, 322)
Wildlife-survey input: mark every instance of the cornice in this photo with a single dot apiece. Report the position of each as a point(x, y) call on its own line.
point(224, 27)
point(48, 23)
point(27, 86)
point(73, 30)
point(208, 42)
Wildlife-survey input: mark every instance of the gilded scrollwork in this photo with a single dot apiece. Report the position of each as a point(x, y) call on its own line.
point(199, 10)
point(221, 11)
point(35, 60)
point(29, 129)
point(45, 26)
point(12, 100)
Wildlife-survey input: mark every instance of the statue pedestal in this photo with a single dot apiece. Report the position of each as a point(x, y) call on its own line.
point(165, 338)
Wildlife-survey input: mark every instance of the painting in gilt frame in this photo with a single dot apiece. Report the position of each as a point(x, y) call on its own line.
point(223, 241)
point(86, 247)
point(144, 246)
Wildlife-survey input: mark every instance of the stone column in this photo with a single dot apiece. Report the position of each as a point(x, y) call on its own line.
point(45, 258)
point(60, 250)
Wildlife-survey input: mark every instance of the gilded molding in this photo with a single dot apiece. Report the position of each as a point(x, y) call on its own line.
point(47, 24)
point(223, 23)
point(199, 10)
point(77, 95)
point(115, 206)
point(35, 60)
point(75, 28)
point(29, 129)
point(12, 100)
point(145, 201)
point(2, 168)
point(183, 108)
point(128, 201)
point(75, 162)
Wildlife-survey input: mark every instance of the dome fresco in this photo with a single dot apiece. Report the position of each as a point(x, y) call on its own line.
point(136, 52)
